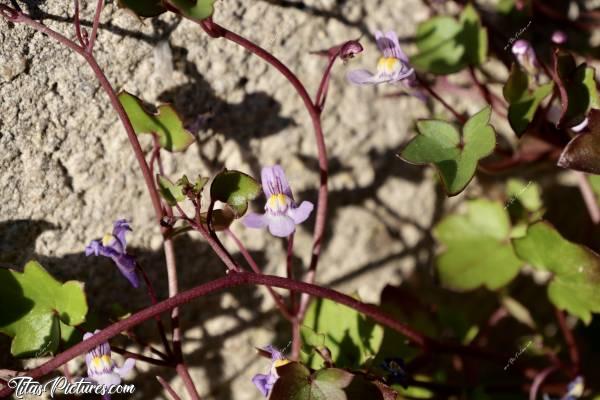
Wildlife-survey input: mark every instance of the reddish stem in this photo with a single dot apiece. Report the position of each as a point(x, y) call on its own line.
point(570, 340)
point(168, 388)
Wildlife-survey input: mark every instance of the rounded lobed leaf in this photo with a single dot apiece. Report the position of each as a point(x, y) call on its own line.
point(235, 189)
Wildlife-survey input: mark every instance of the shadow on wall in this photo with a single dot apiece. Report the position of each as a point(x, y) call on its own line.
point(256, 116)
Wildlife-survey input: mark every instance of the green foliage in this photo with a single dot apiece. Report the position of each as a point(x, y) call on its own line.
point(143, 8)
point(455, 156)
point(577, 88)
point(477, 251)
point(350, 337)
point(38, 309)
point(447, 45)
point(194, 9)
point(575, 284)
point(527, 194)
point(169, 191)
point(166, 123)
point(523, 102)
point(296, 382)
point(235, 189)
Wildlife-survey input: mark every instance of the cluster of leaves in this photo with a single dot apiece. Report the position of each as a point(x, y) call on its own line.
point(233, 188)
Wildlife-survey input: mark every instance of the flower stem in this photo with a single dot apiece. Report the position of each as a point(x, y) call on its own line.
point(216, 31)
point(254, 266)
point(439, 98)
point(570, 340)
point(184, 374)
point(168, 388)
point(245, 278)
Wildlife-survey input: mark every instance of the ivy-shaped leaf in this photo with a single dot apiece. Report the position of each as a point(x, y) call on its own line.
point(447, 45)
point(235, 189)
point(143, 8)
point(476, 248)
point(194, 9)
point(523, 102)
point(166, 123)
point(350, 337)
point(575, 284)
point(455, 156)
point(582, 153)
point(35, 307)
point(169, 191)
point(577, 89)
point(296, 382)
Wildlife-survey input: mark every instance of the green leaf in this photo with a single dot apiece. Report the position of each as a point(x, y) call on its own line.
point(455, 156)
point(528, 194)
point(166, 123)
point(575, 285)
point(195, 9)
point(296, 382)
point(517, 84)
point(447, 45)
point(236, 189)
point(518, 311)
point(477, 250)
point(523, 102)
point(143, 8)
point(577, 88)
point(350, 336)
point(172, 193)
point(34, 306)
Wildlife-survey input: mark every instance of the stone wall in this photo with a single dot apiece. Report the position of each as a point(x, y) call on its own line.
point(67, 171)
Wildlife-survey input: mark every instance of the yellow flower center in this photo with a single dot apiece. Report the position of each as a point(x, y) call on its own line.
point(388, 64)
point(278, 202)
point(102, 362)
point(107, 239)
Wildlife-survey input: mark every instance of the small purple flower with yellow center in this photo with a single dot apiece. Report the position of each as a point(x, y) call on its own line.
point(393, 67)
point(114, 246)
point(101, 368)
point(282, 214)
point(265, 382)
point(526, 56)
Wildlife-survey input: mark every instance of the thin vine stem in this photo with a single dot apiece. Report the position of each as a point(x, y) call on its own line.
point(244, 278)
point(254, 266)
point(87, 53)
point(217, 31)
point(168, 388)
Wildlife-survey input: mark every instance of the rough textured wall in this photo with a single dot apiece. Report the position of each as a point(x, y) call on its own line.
point(67, 170)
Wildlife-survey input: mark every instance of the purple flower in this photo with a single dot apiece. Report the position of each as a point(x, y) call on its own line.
point(114, 246)
point(265, 382)
point(281, 212)
point(525, 56)
point(100, 366)
point(392, 67)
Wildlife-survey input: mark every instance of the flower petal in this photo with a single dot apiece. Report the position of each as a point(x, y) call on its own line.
point(301, 213)
point(126, 265)
point(97, 249)
point(254, 220)
point(281, 225)
point(120, 228)
point(126, 368)
point(399, 76)
point(362, 77)
point(395, 49)
point(274, 181)
point(262, 382)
